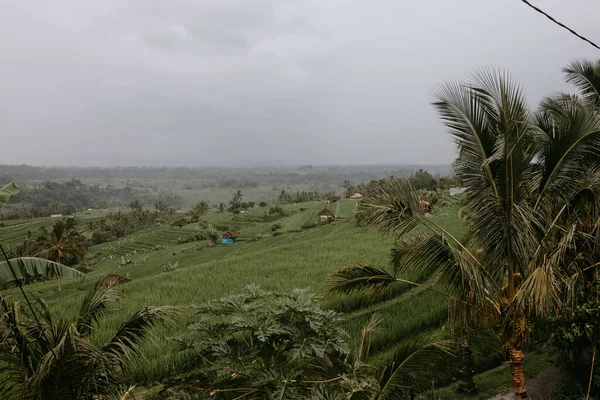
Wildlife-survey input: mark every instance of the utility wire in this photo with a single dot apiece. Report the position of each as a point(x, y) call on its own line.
point(560, 24)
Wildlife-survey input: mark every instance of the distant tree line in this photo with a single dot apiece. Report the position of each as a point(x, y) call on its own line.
point(419, 180)
point(67, 197)
point(213, 177)
point(302, 196)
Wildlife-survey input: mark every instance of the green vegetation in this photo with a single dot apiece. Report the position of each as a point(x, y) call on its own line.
point(52, 358)
point(515, 257)
point(208, 272)
point(530, 208)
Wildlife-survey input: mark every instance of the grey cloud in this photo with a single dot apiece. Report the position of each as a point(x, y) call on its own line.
point(259, 81)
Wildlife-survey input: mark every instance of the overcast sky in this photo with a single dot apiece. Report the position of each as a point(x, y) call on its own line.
point(255, 82)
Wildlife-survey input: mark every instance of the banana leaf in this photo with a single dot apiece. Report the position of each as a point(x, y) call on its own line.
point(30, 268)
point(7, 192)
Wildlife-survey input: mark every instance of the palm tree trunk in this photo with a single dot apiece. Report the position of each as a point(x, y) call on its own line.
point(518, 373)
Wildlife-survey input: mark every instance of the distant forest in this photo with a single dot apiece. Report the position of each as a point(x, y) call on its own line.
point(219, 177)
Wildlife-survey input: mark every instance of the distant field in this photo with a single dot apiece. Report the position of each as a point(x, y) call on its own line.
point(289, 257)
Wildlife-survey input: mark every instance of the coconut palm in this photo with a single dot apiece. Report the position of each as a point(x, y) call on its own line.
point(532, 183)
point(63, 244)
point(52, 358)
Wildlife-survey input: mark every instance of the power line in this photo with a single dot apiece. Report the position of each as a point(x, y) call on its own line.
point(561, 24)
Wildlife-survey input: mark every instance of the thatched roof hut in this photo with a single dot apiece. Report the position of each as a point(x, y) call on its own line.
point(114, 280)
point(179, 223)
point(230, 235)
point(356, 196)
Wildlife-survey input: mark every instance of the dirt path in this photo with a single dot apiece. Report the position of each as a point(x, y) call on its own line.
point(539, 388)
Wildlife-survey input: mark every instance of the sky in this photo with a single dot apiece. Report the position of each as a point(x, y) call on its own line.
point(261, 82)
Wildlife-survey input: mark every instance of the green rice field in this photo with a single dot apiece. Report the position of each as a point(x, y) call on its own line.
point(291, 257)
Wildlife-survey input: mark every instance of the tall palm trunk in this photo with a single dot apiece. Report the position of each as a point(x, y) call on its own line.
point(518, 373)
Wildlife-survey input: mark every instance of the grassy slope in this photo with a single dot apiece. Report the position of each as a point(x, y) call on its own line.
point(295, 258)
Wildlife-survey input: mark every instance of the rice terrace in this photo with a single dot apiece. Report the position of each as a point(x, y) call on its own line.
point(286, 200)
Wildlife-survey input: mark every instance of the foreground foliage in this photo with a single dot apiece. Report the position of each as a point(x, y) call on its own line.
point(531, 203)
point(44, 357)
point(263, 345)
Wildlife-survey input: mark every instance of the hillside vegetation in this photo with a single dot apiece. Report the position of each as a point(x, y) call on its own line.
point(275, 254)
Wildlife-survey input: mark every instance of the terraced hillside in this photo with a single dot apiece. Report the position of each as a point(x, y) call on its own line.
point(282, 258)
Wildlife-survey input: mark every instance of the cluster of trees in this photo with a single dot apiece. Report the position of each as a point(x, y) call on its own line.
point(49, 198)
point(212, 177)
point(116, 225)
point(532, 206)
point(62, 243)
point(302, 196)
point(420, 180)
point(236, 205)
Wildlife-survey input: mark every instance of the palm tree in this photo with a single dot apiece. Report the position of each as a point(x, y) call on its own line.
point(63, 244)
point(45, 357)
point(532, 181)
point(201, 207)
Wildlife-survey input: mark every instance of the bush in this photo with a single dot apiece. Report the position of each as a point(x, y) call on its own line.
point(309, 226)
point(276, 210)
point(575, 332)
point(281, 342)
point(195, 237)
point(274, 227)
point(277, 233)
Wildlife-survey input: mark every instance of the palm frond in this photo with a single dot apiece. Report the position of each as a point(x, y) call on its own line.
point(95, 305)
point(357, 278)
point(130, 334)
point(417, 357)
point(570, 146)
point(585, 75)
point(467, 122)
point(392, 206)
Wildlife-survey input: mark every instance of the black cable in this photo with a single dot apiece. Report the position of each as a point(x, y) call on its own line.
point(561, 24)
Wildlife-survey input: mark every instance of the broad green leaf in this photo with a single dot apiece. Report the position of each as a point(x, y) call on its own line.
point(27, 268)
point(7, 192)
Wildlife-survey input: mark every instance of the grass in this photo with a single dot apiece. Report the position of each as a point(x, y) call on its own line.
point(296, 258)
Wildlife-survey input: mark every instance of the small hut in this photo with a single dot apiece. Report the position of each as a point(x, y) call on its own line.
point(230, 235)
point(114, 280)
point(356, 196)
point(179, 223)
point(333, 199)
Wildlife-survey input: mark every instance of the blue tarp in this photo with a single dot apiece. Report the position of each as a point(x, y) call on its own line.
point(226, 241)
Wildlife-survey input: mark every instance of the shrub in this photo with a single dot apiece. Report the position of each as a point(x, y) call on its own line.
point(212, 234)
point(276, 210)
point(271, 343)
point(194, 237)
point(171, 267)
point(575, 332)
point(274, 227)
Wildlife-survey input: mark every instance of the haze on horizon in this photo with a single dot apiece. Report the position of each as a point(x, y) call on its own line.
point(261, 82)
